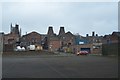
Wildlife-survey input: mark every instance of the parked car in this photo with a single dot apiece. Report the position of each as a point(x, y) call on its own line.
point(82, 53)
point(18, 48)
point(31, 47)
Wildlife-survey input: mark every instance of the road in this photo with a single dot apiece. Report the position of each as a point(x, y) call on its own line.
point(66, 66)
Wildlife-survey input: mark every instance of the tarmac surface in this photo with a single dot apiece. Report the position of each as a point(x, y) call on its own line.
point(59, 66)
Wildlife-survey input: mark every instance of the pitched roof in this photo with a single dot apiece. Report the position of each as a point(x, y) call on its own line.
point(116, 33)
point(31, 33)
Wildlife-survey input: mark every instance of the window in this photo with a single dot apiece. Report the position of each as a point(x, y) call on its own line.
point(81, 42)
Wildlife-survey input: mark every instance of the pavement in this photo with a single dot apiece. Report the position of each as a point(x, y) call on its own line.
point(59, 66)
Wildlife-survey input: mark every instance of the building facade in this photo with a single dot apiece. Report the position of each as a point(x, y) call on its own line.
point(64, 41)
point(13, 36)
point(32, 38)
point(111, 38)
point(92, 44)
point(53, 41)
point(12, 39)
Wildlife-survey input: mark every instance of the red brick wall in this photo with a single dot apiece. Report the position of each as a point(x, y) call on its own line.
point(92, 50)
point(10, 38)
point(32, 37)
point(8, 47)
point(54, 44)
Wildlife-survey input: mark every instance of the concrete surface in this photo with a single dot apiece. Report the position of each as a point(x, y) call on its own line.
point(59, 66)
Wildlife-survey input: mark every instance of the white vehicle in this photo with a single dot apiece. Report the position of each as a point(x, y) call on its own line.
point(32, 47)
point(23, 48)
point(18, 48)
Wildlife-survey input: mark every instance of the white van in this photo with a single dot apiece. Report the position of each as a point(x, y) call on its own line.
point(32, 47)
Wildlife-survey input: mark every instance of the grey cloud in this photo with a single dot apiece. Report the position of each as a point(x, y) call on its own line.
point(80, 17)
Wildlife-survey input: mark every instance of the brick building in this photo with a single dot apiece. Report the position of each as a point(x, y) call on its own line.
point(111, 38)
point(66, 38)
point(94, 38)
point(64, 41)
point(61, 41)
point(92, 44)
point(111, 44)
point(53, 41)
point(32, 38)
point(12, 39)
point(13, 36)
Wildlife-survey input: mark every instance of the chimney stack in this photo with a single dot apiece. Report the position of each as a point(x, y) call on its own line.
point(96, 34)
point(50, 30)
point(61, 31)
point(11, 28)
point(17, 26)
point(87, 35)
point(93, 33)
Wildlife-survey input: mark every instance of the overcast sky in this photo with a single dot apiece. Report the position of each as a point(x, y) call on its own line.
point(77, 17)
